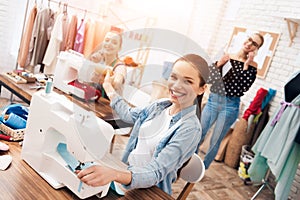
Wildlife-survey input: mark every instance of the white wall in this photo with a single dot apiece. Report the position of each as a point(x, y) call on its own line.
point(12, 14)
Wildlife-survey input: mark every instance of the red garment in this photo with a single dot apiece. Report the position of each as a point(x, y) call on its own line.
point(255, 105)
point(89, 91)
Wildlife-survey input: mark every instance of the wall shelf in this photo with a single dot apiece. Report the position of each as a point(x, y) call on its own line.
point(292, 24)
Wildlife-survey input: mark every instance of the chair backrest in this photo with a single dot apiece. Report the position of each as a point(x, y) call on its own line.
point(194, 170)
point(192, 173)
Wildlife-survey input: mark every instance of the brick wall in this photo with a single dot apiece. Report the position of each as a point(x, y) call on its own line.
point(265, 15)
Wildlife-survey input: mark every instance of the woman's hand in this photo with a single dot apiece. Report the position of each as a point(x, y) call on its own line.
point(97, 175)
point(97, 57)
point(119, 77)
point(118, 82)
point(250, 60)
point(108, 84)
point(223, 60)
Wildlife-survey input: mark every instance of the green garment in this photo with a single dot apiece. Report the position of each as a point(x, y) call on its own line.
point(276, 149)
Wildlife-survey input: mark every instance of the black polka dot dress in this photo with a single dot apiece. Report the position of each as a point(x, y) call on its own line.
point(235, 83)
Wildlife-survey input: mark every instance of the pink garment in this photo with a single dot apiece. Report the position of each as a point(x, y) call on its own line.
point(78, 45)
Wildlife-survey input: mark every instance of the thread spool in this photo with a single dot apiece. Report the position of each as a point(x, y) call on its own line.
point(14, 121)
point(48, 88)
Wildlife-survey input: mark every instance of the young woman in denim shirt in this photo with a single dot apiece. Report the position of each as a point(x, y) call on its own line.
point(223, 104)
point(165, 134)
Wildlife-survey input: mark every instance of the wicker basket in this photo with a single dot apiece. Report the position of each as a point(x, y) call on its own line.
point(15, 134)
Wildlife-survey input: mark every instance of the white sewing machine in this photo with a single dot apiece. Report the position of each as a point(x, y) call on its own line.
point(54, 120)
point(71, 66)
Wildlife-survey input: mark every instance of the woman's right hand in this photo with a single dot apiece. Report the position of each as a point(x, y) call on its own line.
point(97, 57)
point(108, 84)
point(223, 60)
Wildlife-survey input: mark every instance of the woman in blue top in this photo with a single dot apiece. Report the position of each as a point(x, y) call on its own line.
point(165, 134)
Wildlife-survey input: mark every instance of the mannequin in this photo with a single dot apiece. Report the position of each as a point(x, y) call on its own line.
point(291, 91)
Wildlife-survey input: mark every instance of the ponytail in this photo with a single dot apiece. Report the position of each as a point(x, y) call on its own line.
point(198, 103)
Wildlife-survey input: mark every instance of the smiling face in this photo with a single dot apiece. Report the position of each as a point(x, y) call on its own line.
point(252, 43)
point(112, 43)
point(184, 84)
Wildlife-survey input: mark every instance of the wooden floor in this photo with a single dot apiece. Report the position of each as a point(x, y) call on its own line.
point(219, 183)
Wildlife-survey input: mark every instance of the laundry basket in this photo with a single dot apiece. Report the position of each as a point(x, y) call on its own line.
point(246, 159)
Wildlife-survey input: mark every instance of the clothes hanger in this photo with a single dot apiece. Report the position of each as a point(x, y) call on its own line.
point(65, 9)
point(84, 15)
point(41, 5)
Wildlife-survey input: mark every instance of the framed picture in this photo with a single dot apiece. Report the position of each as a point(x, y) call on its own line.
point(265, 52)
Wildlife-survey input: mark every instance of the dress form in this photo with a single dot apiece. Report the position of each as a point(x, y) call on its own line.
point(291, 91)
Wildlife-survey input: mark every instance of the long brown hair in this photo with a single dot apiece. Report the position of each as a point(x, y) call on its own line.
point(201, 66)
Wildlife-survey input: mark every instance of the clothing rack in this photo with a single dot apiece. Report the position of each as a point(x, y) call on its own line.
point(265, 183)
point(66, 6)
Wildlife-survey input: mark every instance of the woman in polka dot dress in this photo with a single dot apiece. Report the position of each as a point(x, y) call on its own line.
point(223, 104)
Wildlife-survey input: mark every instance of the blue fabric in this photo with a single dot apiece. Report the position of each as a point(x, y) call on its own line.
point(68, 158)
point(221, 111)
point(17, 109)
point(72, 163)
point(173, 150)
point(115, 187)
point(268, 98)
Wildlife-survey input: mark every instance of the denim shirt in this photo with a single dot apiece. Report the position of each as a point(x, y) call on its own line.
point(173, 150)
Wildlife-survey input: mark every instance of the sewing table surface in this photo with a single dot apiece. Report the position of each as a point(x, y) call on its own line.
point(20, 181)
point(101, 108)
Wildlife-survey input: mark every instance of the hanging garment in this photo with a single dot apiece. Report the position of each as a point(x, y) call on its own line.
point(55, 44)
point(53, 48)
point(243, 130)
point(95, 33)
point(260, 124)
point(40, 38)
point(276, 148)
point(24, 46)
point(101, 29)
point(71, 33)
point(89, 37)
point(78, 44)
point(255, 106)
point(65, 25)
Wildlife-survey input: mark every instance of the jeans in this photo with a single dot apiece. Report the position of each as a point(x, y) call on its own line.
point(222, 110)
